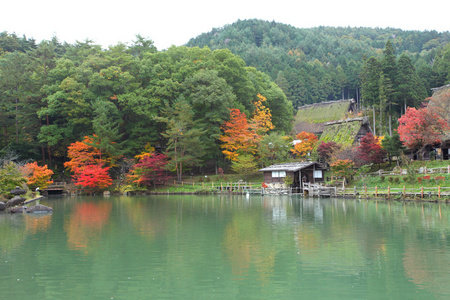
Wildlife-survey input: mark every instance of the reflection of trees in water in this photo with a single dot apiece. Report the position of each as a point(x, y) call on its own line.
point(249, 247)
point(12, 232)
point(37, 222)
point(85, 224)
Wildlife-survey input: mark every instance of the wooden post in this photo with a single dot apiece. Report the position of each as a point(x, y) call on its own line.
point(404, 191)
point(439, 192)
point(365, 191)
point(221, 186)
point(354, 191)
point(376, 191)
point(421, 192)
point(389, 192)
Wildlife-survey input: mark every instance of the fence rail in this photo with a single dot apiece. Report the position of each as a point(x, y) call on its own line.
point(424, 171)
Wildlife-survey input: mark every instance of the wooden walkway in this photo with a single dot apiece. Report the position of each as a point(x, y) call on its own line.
point(56, 188)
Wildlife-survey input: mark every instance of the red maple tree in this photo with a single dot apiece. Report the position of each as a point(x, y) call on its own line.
point(326, 150)
point(421, 127)
point(93, 177)
point(150, 170)
point(369, 150)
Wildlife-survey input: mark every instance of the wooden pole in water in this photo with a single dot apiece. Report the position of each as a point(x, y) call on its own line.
point(389, 192)
point(365, 191)
point(376, 191)
point(439, 192)
point(421, 192)
point(404, 191)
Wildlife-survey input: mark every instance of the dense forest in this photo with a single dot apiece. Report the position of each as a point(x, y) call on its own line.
point(125, 98)
point(326, 63)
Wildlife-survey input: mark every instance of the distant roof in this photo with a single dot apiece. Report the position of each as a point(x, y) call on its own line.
point(292, 167)
point(312, 117)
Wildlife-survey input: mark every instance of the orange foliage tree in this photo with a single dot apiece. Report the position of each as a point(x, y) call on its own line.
point(241, 135)
point(37, 176)
point(307, 142)
point(82, 154)
point(237, 135)
point(87, 164)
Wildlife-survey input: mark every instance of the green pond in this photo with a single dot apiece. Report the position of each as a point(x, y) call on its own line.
point(226, 247)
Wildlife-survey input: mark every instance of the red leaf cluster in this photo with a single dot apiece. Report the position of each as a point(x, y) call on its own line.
point(369, 150)
point(150, 170)
point(421, 127)
point(93, 177)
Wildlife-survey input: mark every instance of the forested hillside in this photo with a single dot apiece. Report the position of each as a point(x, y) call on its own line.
point(326, 63)
point(125, 98)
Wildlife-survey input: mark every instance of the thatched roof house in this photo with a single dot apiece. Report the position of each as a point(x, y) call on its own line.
point(346, 132)
point(313, 117)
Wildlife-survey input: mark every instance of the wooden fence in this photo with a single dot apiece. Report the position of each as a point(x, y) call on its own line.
point(422, 171)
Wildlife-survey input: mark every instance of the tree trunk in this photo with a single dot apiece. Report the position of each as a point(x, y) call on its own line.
point(17, 120)
point(374, 122)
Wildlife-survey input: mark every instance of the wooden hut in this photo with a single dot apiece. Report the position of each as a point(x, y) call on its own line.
point(299, 172)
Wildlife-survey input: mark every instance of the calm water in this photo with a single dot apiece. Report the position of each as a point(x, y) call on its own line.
point(224, 247)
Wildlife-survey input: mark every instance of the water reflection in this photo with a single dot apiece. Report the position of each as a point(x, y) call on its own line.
point(85, 224)
point(238, 247)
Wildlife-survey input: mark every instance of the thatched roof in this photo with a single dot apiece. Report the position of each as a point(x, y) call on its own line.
point(345, 132)
point(312, 118)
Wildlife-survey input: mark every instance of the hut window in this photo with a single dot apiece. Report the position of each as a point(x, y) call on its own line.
point(278, 174)
point(318, 174)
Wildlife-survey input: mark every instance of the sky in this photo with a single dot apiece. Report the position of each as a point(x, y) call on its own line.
point(174, 22)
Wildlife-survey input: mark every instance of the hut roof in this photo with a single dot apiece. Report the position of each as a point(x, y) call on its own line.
point(343, 132)
point(290, 167)
point(312, 118)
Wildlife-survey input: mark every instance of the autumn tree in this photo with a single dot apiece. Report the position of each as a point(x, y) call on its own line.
point(150, 170)
point(343, 168)
point(261, 121)
point(327, 149)
point(237, 137)
point(93, 177)
point(419, 128)
point(370, 150)
point(82, 153)
point(37, 176)
point(307, 141)
point(87, 165)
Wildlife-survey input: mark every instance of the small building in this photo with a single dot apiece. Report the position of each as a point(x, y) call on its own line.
point(300, 172)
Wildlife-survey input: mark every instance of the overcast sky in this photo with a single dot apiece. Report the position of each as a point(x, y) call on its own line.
point(174, 22)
